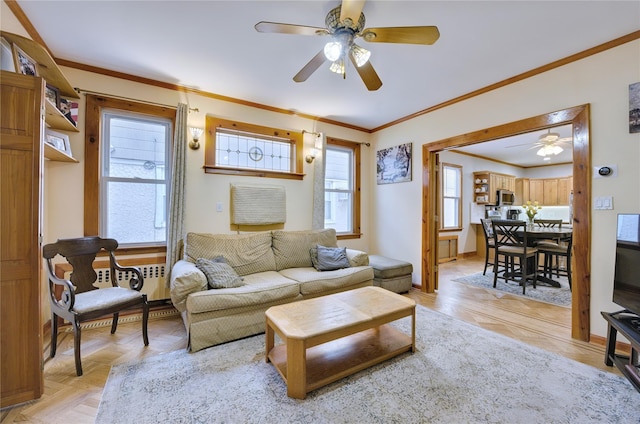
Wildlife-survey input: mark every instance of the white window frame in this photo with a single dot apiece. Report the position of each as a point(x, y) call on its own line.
point(159, 218)
point(457, 213)
point(353, 191)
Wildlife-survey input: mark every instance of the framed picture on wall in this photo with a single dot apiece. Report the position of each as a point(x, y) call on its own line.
point(58, 140)
point(24, 64)
point(394, 164)
point(634, 108)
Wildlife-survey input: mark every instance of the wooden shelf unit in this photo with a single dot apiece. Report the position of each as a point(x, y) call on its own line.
point(51, 73)
point(485, 191)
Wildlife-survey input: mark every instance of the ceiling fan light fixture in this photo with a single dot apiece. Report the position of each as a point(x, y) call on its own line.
point(549, 150)
point(360, 55)
point(333, 50)
point(337, 67)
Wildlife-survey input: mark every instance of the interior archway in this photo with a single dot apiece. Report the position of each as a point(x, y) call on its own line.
point(578, 117)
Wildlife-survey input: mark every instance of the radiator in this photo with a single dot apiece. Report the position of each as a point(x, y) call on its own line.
point(153, 274)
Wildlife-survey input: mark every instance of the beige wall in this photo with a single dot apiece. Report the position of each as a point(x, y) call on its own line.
point(600, 80)
point(391, 214)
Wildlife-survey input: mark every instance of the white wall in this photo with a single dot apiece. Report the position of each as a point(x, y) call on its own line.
point(601, 80)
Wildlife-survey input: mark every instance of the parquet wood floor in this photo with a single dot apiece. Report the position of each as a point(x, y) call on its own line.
point(71, 399)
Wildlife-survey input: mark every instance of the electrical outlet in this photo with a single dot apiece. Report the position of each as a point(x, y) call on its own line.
point(219, 207)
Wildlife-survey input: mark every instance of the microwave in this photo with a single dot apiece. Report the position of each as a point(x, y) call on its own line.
point(505, 198)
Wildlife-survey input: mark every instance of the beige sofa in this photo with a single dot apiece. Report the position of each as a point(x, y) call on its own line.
point(276, 268)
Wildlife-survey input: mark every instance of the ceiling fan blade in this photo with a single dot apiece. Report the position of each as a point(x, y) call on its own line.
point(368, 75)
point(406, 35)
point(351, 9)
point(275, 27)
point(310, 67)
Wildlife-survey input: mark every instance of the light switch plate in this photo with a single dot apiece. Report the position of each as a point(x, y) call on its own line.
point(603, 203)
point(219, 207)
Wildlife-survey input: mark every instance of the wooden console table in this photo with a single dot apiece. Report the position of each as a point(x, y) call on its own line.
point(627, 324)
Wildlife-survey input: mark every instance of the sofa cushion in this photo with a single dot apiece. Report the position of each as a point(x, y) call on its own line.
point(357, 257)
point(219, 275)
point(186, 278)
point(313, 281)
point(259, 288)
point(329, 258)
point(291, 248)
point(246, 253)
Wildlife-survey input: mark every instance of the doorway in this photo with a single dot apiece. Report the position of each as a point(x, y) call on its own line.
point(578, 117)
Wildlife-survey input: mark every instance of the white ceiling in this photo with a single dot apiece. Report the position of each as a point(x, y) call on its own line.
point(213, 46)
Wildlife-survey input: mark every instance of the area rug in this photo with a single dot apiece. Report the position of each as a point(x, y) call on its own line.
point(545, 293)
point(459, 374)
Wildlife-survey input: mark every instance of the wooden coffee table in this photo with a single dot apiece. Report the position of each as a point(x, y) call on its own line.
point(330, 337)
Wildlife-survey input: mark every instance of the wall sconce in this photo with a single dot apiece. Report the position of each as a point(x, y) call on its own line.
point(317, 147)
point(195, 134)
point(312, 155)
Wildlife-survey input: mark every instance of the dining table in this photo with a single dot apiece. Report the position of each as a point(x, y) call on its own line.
point(537, 233)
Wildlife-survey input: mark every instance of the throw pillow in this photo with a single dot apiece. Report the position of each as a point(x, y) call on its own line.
point(220, 275)
point(329, 258)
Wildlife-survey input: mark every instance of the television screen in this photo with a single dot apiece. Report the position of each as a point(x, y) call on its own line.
point(626, 281)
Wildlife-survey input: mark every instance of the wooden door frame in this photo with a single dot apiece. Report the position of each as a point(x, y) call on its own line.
point(578, 117)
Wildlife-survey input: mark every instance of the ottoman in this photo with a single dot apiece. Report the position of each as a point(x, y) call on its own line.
point(391, 274)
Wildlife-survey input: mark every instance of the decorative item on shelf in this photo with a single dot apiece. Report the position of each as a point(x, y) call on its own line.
point(531, 209)
point(58, 140)
point(6, 56)
point(24, 64)
point(52, 94)
point(195, 135)
point(67, 107)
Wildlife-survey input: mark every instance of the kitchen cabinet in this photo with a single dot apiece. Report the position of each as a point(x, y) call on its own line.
point(547, 191)
point(550, 192)
point(522, 191)
point(487, 183)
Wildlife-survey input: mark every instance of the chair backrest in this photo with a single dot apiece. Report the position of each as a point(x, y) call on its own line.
point(80, 253)
point(509, 232)
point(548, 223)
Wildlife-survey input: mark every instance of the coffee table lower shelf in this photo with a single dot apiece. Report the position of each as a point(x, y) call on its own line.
point(333, 360)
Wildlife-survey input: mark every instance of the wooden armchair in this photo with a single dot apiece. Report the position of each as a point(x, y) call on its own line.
point(78, 299)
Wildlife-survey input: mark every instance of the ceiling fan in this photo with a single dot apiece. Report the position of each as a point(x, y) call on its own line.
point(548, 144)
point(344, 24)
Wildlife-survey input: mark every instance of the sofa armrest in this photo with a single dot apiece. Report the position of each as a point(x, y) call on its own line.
point(186, 278)
point(357, 257)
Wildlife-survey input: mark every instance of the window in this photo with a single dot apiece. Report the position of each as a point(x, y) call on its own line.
point(127, 178)
point(451, 201)
point(342, 188)
point(134, 177)
point(245, 149)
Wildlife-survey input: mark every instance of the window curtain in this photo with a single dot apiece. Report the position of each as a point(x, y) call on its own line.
point(319, 166)
point(175, 214)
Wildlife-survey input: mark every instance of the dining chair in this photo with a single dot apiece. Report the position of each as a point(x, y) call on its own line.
point(78, 299)
point(487, 229)
point(552, 252)
point(511, 241)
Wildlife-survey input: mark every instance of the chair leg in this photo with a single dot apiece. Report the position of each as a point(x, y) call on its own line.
point(145, 320)
point(114, 322)
point(486, 261)
point(76, 346)
point(54, 334)
point(495, 269)
point(569, 271)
